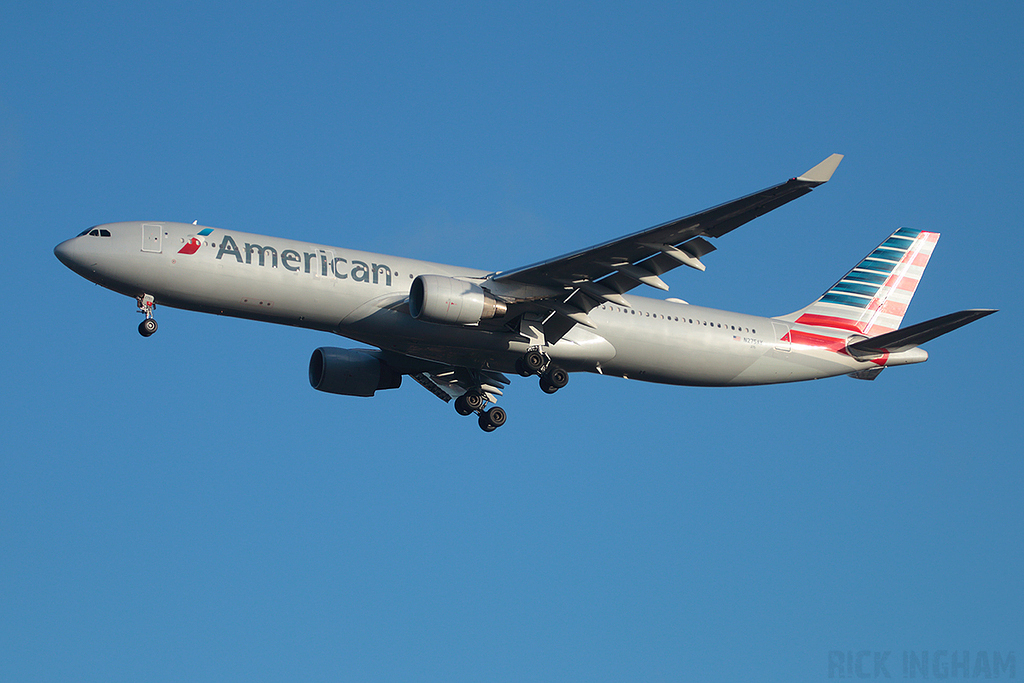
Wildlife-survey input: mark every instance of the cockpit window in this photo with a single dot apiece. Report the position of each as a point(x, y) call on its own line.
point(104, 233)
point(95, 232)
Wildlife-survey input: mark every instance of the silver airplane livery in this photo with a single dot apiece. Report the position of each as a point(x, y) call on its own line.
point(458, 331)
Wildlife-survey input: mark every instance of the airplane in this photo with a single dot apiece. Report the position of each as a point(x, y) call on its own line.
point(458, 331)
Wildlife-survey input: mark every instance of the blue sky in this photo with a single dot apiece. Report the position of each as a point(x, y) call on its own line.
point(186, 507)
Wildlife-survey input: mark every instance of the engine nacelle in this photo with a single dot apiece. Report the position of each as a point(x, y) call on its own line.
point(440, 299)
point(350, 372)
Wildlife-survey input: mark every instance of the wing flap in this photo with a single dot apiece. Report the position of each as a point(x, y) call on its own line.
point(451, 382)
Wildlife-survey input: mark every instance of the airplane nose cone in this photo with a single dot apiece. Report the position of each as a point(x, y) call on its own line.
point(76, 255)
point(65, 252)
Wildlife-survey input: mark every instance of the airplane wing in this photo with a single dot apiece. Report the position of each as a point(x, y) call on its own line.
point(604, 272)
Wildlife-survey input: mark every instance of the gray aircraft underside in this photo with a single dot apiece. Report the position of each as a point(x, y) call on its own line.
point(457, 330)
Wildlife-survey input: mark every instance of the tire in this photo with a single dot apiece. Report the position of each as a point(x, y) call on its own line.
point(147, 327)
point(521, 368)
point(492, 419)
point(496, 416)
point(462, 406)
point(533, 361)
point(557, 377)
point(473, 400)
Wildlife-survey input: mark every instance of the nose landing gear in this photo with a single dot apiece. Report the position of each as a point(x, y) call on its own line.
point(146, 305)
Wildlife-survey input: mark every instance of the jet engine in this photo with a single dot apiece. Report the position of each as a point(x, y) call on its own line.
point(350, 372)
point(440, 299)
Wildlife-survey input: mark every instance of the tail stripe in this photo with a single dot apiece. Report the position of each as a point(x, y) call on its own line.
point(898, 242)
point(878, 266)
point(894, 255)
point(856, 288)
point(907, 284)
point(827, 321)
point(921, 259)
point(845, 299)
point(864, 276)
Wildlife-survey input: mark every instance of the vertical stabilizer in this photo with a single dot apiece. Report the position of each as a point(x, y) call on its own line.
point(873, 297)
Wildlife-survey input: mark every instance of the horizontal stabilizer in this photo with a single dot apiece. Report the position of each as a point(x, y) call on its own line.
point(909, 337)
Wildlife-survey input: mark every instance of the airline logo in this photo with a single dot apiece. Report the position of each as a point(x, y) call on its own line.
point(873, 297)
point(193, 244)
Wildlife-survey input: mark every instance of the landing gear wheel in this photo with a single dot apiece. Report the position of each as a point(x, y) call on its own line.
point(473, 400)
point(554, 379)
point(492, 419)
point(147, 327)
point(462, 406)
point(533, 361)
point(521, 368)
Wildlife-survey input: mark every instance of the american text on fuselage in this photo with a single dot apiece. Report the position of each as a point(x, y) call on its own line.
point(294, 261)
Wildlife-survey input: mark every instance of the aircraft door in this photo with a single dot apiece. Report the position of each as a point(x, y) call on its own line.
point(152, 238)
point(781, 337)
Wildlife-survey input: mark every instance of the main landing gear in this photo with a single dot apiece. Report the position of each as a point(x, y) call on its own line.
point(475, 402)
point(533, 362)
point(552, 377)
point(146, 305)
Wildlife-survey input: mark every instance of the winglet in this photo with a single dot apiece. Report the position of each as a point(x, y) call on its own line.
point(823, 171)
